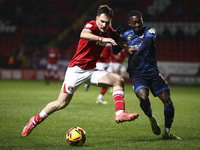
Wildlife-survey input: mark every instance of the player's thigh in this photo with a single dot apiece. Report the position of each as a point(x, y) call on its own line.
point(139, 83)
point(96, 76)
point(158, 85)
point(110, 79)
point(104, 78)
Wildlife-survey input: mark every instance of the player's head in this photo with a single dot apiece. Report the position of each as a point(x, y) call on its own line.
point(104, 16)
point(135, 20)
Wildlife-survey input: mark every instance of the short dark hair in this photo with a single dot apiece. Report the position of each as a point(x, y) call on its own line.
point(105, 9)
point(134, 13)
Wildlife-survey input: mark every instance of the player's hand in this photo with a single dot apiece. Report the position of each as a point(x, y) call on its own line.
point(109, 40)
point(132, 50)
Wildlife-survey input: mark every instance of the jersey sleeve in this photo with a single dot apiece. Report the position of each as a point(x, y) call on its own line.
point(124, 35)
point(151, 33)
point(89, 25)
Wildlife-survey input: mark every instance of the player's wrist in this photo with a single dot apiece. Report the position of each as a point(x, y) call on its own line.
point(100, 38)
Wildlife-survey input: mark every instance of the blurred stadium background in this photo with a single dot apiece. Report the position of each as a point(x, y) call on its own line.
point(28, 28)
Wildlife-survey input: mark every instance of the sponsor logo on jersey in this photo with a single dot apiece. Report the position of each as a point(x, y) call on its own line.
point(100, 43)
point(136, 46)
point(152, 31)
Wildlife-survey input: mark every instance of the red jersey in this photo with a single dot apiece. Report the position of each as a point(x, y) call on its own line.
point(88, 52)
point(53, 55)
point(106, 55)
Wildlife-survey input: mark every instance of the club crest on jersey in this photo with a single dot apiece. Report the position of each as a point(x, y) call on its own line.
point(70, 88)
point(152, 31)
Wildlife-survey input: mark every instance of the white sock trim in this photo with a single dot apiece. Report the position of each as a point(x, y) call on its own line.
point(120, 92)
point(167, 130)
point(119, 112)
point(43, 114)
point(100, 96)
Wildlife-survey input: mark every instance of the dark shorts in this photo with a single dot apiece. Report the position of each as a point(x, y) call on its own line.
point(155, 82)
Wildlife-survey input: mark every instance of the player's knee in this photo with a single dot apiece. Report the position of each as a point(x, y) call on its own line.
point(143, 94)
point(119, 81)
point(166, 99)
point(168, 103)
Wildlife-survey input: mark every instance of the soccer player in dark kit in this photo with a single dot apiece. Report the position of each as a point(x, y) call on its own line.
point(144, 73)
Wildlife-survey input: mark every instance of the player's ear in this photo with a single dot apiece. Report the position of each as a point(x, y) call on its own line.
point(96, 17)
point(129, 23)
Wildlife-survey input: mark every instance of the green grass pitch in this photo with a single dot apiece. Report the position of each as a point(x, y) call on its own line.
point(20, 100)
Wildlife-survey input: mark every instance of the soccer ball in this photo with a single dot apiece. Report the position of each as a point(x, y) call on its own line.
point(76, 136)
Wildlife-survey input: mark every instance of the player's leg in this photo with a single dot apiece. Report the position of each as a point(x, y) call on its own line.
point(160, 88)
point(86, 87)
point(140, 87)
point(145, 105)
point(168, 113)
point(101, 95)
point(69, 86)
point(62, 101)
point(115, 81)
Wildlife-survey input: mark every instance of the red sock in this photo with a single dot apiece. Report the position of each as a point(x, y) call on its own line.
point(103, 90)
point(40, 117)
point(37, 119)
point(118, 97)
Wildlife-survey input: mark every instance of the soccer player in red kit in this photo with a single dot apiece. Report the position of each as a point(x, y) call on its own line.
point(82, 69)
point(53, 55)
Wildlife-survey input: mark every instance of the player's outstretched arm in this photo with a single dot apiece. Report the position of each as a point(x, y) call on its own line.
point(86, 34)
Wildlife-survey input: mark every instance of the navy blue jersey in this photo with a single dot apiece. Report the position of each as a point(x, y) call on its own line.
point(145, 74)
point(147, 57)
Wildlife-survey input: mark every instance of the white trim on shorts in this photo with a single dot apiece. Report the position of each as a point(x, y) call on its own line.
point(76, 76)
point(104, 66)
point(119, 67)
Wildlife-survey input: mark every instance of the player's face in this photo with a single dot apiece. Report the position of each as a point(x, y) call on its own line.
point(136, 23)
point(103, 22)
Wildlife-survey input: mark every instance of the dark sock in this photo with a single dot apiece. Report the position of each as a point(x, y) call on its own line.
point(169, 116)
point(146, 107)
